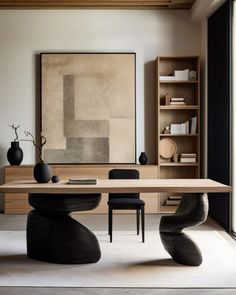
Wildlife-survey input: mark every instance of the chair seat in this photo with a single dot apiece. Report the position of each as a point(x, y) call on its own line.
point(126, 203)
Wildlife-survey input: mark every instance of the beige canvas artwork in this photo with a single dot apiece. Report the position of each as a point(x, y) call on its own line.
point(88, 107)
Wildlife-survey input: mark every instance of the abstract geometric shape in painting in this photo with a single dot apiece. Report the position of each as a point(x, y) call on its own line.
point(88, 107)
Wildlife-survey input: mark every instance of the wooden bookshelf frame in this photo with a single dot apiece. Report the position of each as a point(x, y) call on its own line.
point(190, 90)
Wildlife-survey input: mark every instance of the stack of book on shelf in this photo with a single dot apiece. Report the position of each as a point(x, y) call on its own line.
point(182, 75)
point(84, 181)
point(182, 128)
point(172, 201)
point(176, 101)
point(189, 127)
point(167, 78)
point(193, 129)
point(188, 158)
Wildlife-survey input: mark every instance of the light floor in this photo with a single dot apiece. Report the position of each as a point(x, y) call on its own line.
point(99, 222)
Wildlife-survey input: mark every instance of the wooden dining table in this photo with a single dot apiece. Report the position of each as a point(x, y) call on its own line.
point(54, 236)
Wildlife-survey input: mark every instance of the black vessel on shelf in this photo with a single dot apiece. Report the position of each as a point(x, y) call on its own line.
point(143, 159)
point(15, 153)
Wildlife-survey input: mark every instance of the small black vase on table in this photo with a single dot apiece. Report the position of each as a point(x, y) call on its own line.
point(42, 172)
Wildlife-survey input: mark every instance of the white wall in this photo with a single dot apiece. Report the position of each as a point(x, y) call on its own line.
point(23, 34)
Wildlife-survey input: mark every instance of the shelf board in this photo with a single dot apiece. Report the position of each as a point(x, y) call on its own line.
point(168, 209)
point(179, 107)
point(172, 164)
point(176, 135)
point(178, 82)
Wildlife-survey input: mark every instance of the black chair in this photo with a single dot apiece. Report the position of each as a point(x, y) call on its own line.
point(125, 201)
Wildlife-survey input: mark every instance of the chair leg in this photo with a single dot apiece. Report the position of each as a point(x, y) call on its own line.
point(110, 223)
point(143, 223)
point(138, 220)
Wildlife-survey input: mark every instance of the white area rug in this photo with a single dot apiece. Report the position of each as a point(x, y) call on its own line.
point(124, 263)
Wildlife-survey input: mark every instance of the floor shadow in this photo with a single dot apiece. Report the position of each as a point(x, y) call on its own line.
point(21, 264)
point(157, 262)
point(19, 258)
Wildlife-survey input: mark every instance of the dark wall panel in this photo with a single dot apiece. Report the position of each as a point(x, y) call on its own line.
point(219, 103)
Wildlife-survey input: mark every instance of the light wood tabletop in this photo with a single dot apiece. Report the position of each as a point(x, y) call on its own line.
point(119, 186)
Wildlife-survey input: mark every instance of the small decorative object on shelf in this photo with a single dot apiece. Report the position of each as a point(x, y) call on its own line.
point(176, 158)
point(166, 130)
point(143, 159)
point(167, 99)
point(193, 129)
point(55, 178)
point(42, 171)
point(15, 153)
point(167, 148)
point(192, 75)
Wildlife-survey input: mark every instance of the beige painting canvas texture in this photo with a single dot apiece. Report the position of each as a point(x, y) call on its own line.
point(88, 107)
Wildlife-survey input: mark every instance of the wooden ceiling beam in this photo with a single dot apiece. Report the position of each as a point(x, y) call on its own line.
point(76, 4)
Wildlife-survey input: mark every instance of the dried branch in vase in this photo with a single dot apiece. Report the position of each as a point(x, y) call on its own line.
point(38, 146)
point(15, 130)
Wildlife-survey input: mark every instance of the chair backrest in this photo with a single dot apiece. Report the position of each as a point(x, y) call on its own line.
point(123, 174)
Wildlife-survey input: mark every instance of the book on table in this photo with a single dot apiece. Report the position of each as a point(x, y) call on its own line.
point(84, 181)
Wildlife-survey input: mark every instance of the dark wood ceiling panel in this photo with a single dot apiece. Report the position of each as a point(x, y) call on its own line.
point(76, 4)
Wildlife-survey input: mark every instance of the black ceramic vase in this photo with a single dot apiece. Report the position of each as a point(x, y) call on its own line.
point(42, 172)
point(143, 159)
point(15, 153)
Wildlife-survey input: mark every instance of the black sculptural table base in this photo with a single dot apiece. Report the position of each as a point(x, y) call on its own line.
point(193, 210)
point(54, 236)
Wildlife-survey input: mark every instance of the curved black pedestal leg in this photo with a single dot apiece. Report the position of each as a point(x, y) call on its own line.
point(60, 239)
point(54, 236)
point(192, 210)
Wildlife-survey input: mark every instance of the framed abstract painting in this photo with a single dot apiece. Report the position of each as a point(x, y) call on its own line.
point(88, 107)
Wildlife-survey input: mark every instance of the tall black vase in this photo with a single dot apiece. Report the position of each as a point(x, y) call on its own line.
point(143, 159)
point(42, 172)
point(15, 153)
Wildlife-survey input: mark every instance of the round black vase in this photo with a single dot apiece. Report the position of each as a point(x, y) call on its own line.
point(15, 153)
point(42, 172)
point(143, 159)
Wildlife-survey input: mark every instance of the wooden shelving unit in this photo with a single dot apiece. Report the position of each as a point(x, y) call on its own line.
point(174, 135)
point(172, 164)
point(176, 114)
point(179, 82)
point(184, 107)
